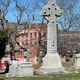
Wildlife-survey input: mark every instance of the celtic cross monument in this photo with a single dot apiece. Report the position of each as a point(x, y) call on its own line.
point(52, 62)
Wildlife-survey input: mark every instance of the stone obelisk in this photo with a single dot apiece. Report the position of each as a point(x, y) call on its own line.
point(52, 61)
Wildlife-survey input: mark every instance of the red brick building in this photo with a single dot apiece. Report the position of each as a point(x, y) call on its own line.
point(29, 38)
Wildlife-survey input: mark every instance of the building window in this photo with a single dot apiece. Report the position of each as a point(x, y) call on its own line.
point(44, 34)
point(20, 53)
point(30, 34)
point(26, 43)
point(35, 43)
point(31, 43)
point(22, 43)
point(22, 35)
point(26, 34)
point(45, 42)
point(35, 34)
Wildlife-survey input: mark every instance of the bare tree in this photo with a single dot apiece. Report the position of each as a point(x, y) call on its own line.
point(70, 17)
point(25, 15)
point(4, 5)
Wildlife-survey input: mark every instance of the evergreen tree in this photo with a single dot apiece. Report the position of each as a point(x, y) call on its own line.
point(3, 41)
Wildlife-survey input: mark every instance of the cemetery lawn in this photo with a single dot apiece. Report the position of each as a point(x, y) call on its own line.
point(75, 76)
point(67, 66)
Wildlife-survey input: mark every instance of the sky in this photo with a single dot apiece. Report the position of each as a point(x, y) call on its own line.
point(38, 18)
point(11, 13)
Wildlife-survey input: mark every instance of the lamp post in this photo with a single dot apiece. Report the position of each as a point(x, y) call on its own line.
point(26, 55)
point(42, 54)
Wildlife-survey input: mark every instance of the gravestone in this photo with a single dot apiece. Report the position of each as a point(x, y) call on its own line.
point(20, 69)
point(77, 62)
point(52, 61)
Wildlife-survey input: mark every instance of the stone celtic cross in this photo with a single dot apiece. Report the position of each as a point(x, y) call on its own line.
point(52, 61)
point(50, 12)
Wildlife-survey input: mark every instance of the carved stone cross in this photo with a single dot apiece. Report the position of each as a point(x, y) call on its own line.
point(50, 12)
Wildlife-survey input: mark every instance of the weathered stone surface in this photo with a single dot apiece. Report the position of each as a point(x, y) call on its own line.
point(20, 69)
point(52, 64)
point(25, 69)
point(77, 62)
point(52, 61)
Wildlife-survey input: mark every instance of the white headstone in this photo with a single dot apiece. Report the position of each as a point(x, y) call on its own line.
point(77, 62)
point(52, 61)
point(20, 69)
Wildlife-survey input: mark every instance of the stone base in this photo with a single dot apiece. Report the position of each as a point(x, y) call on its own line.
point(26, 69)
point(52, 64)
point(20, 69)
point(77, 62)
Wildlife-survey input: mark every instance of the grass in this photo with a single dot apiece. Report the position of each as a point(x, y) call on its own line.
point(67, 65)
point(46, 77)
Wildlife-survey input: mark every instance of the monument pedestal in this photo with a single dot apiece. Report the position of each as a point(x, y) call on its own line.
point(77, 62)
point(52, 64)
point(20, 69)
